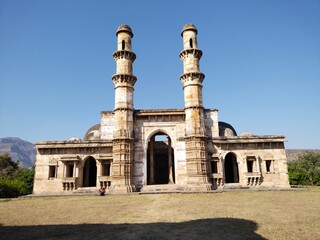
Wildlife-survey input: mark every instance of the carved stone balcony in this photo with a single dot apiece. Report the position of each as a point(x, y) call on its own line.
point(69, 183)
point(217, 179)
point(197, 53)
point(253, 178)
point(105, 181)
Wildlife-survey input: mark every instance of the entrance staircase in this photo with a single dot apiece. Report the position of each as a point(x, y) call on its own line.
point(87, 191)
point(233, 186)
point(162, 188)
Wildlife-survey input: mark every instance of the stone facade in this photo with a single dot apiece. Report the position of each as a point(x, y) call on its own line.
point(160, 149)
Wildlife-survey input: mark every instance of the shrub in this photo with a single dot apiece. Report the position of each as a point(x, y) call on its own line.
point(14, 179)
point(12, 188)
point(306, 170)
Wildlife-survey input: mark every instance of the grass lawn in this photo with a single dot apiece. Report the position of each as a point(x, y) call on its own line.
point(227, 215)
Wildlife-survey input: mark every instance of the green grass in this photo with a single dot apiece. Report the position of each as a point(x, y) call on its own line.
point(227, 215)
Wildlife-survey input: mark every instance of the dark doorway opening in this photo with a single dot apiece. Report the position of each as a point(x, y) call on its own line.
point(231, 168)
point(90, 173)
point(160, 160)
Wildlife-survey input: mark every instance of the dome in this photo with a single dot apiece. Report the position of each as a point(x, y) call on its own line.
point(246, 134)
point(226, 130)
point(189, 27)
point(74, 139)
point(93, 133)
point(124, 28)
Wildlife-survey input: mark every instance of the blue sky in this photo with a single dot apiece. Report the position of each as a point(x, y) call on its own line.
point(261, 60)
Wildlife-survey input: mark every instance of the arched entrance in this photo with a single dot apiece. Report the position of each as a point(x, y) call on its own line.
point(160, 160)
point(90, 173)
point(231, 168)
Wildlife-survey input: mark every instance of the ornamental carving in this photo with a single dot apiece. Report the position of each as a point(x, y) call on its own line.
point(53, 162)
point(124, 54)
point(124, 78)
point(197, 53)
point(192, 77)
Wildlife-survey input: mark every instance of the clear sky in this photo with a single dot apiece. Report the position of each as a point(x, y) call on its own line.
point(261, 60)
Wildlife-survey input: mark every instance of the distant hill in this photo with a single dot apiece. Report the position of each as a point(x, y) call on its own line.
point(293, 154)
point(19, 149)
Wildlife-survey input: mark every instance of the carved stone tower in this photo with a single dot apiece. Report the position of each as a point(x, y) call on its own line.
point(195, 139)
point(123, 142)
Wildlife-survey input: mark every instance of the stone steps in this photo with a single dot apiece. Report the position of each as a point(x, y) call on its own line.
point(87, 190)
point(233, 186)
point(162, 188)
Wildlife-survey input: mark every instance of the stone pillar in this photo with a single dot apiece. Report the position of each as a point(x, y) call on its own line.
point(99, 168)
point(258, 164)
point(123, 142)
point(195, 139)
point(74, 169)
point(170, 161)
point(151, 157)
point(64, 174)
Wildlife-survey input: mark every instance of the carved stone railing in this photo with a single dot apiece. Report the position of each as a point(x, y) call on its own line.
point(194, 51)
point(253, 178)
point(105, 181)
point(69, 183)
point(124, 54)
point(217, 180)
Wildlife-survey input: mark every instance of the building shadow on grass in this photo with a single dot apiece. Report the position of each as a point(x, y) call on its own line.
point(213, 228)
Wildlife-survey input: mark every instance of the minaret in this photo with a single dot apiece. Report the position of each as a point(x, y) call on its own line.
point(124, 80)
point(195, 139)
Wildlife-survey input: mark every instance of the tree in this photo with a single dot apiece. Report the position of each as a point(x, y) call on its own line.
point(14, 179)
point(7, 166)
point(305, 170)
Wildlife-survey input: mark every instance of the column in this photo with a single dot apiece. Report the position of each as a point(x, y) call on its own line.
point(151, 145)
point(74, 169)
point(258, 164)
point(170, 160)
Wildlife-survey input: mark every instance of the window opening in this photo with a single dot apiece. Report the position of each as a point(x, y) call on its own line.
point(69, 170)
point(191, 43)
point(250, 165)
point(52, 171)
point(106, 169)
point(214, 166)
point(268, 165)
point(123, 45)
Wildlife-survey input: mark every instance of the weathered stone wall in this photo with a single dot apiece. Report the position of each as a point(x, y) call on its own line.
point(107, 125)
point(261, 149)
point(211, 123)
point(147, 124)
point(61, 154)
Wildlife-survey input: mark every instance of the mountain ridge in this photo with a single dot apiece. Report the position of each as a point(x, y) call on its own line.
point(19, 150)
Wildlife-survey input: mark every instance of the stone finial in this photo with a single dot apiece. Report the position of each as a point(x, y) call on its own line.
point(189, 27)
point(124, 28)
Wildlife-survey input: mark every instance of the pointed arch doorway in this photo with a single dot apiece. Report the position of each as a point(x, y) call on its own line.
point(160, 160)
point(231, 168)
point(90, 173)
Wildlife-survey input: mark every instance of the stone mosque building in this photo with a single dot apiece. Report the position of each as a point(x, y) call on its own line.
point(175, 150)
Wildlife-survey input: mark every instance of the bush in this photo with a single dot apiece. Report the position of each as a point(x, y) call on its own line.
point(12, 188)
point(306, 170)
point(14, 179)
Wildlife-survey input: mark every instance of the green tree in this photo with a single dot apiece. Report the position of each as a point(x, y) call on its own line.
point(26, 176)
point(14, 179)
point(305, 170)
point(7, 166)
